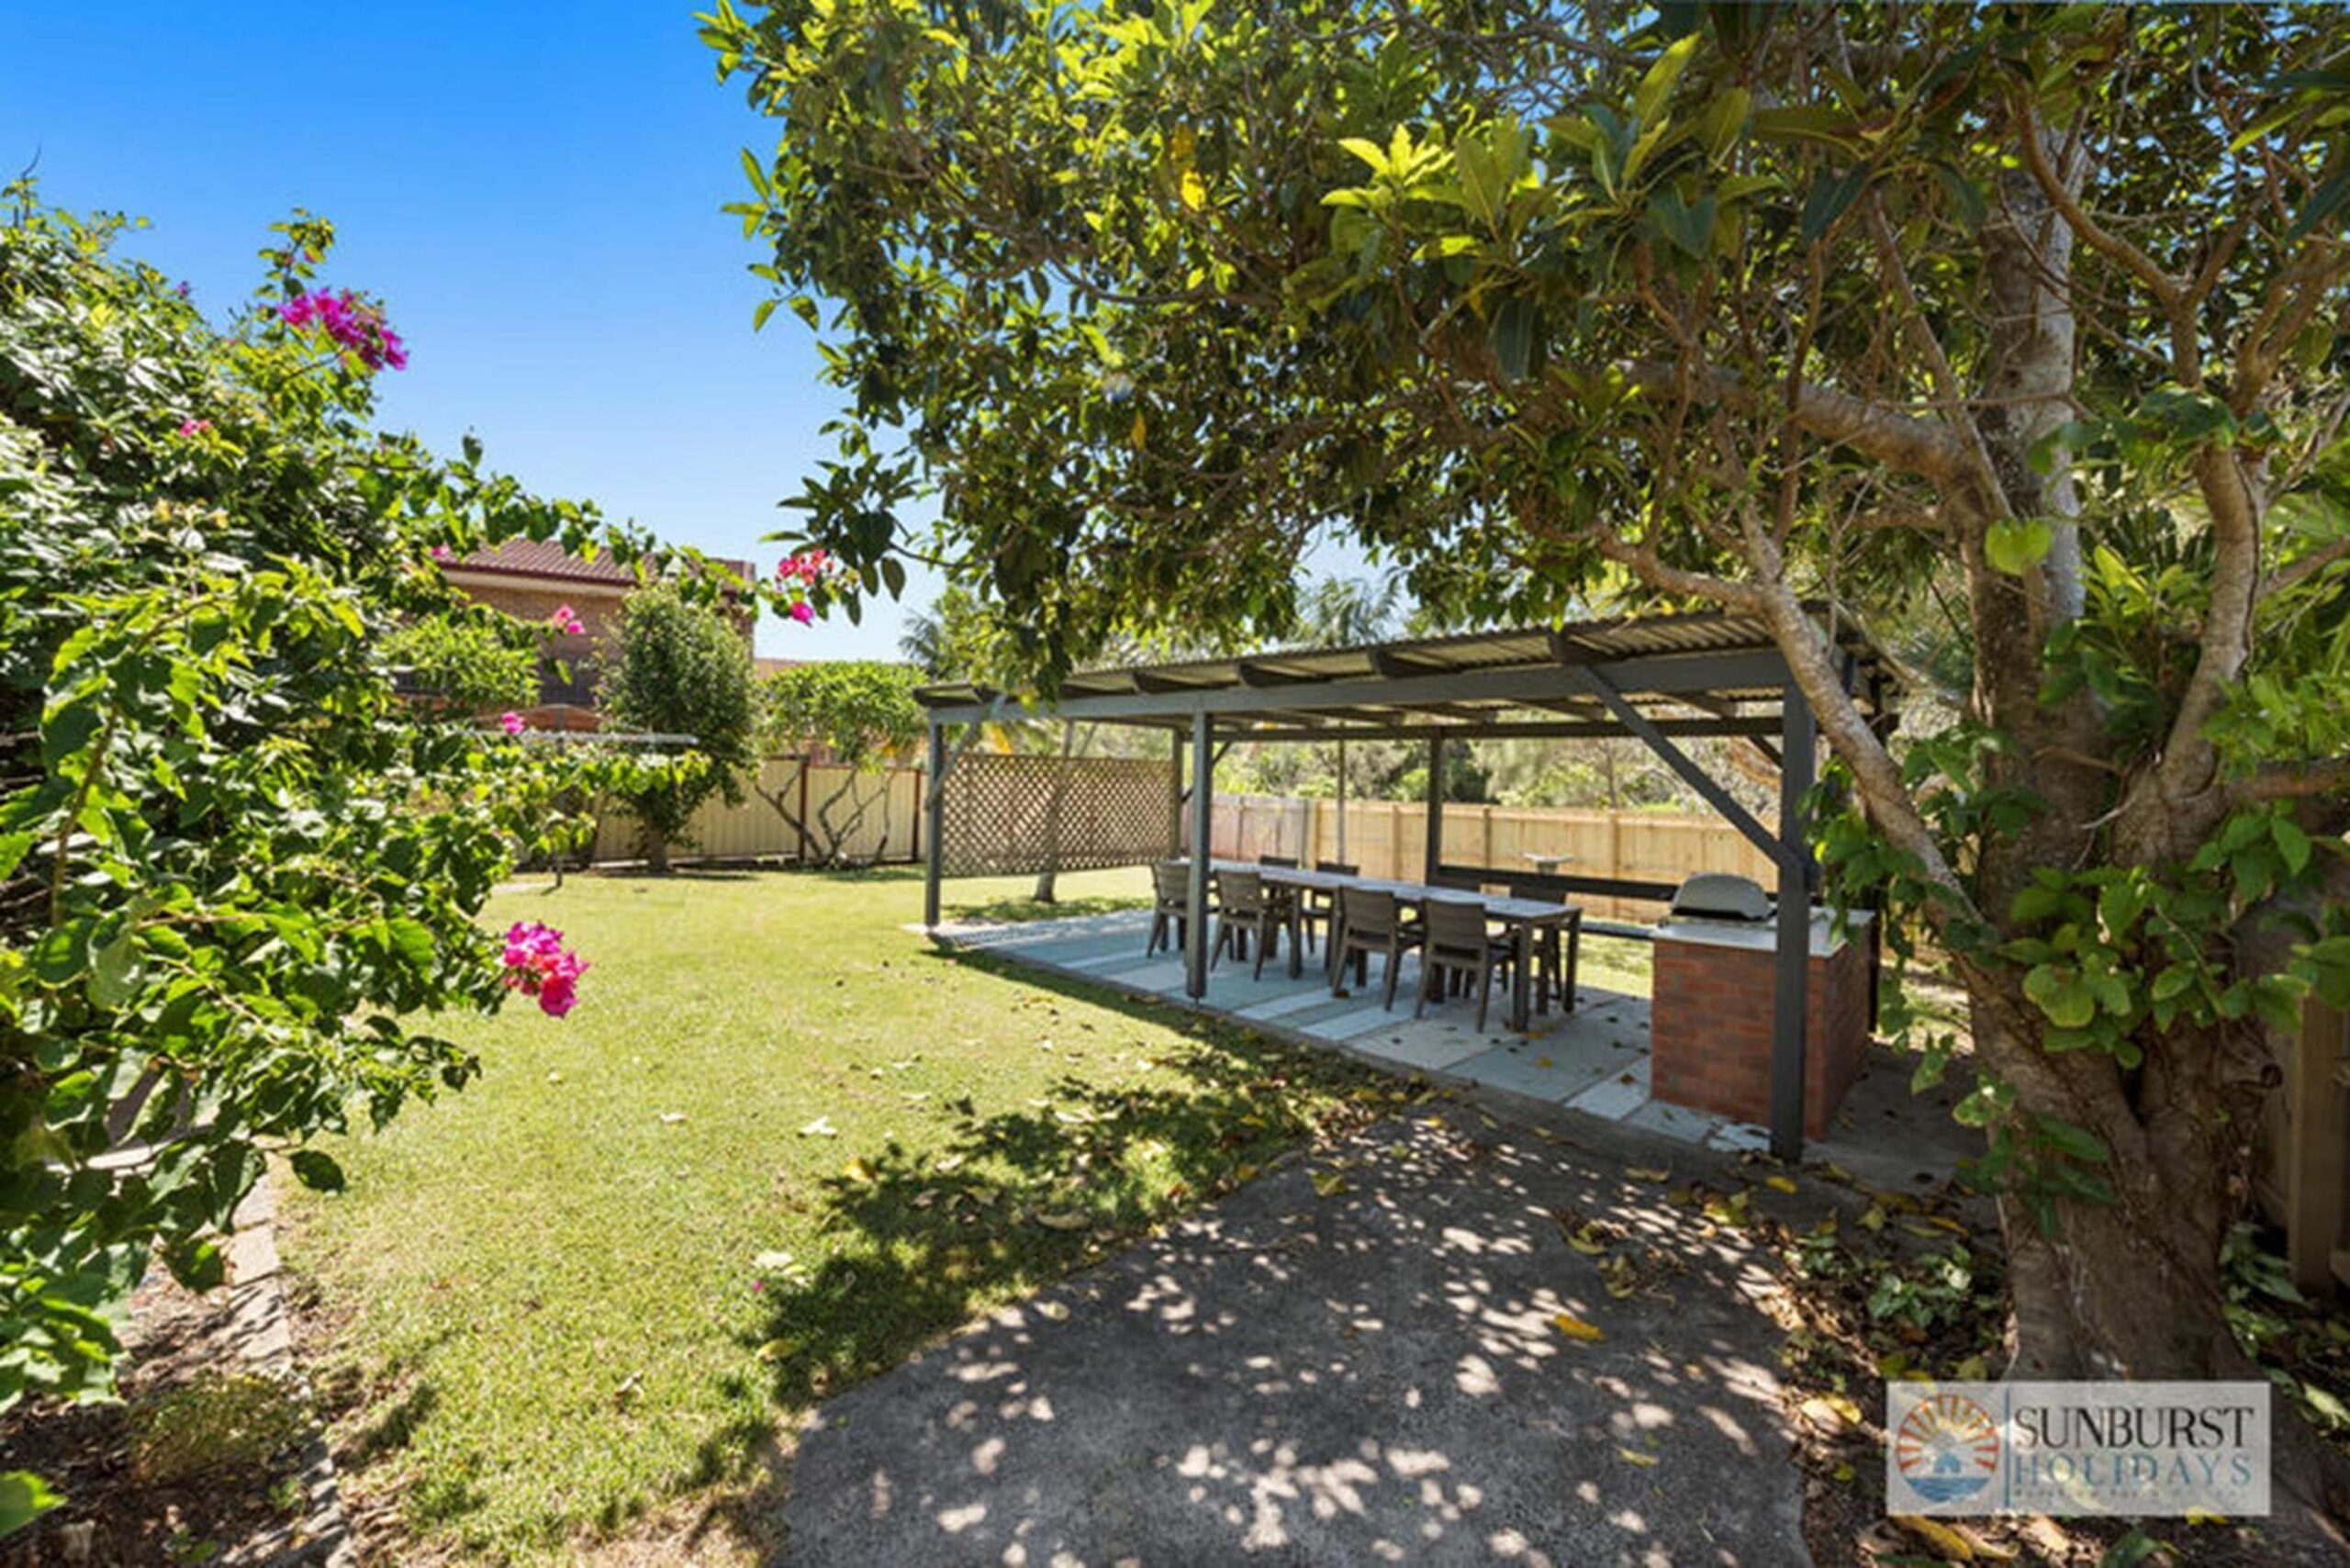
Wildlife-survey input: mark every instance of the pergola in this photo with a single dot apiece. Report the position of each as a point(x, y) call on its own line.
point(1660, 679)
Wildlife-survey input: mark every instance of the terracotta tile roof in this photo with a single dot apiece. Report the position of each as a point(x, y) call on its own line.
point(547, 559)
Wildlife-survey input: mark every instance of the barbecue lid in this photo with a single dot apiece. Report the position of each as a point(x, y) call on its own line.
point(1719, 895)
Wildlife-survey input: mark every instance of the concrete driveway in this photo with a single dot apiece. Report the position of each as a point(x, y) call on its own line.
point(1370, 1376)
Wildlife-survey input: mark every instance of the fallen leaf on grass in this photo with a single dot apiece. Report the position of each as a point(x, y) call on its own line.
point(774, 1350)
point(820, 1127)
point(1779, 1183)
point(859, 1170)
point(1071, 1221)
point(1830, 1410)
point(554, 1077)
point(1648, 1173)
point(1586, 1241)
point(671, 1118)
point(1574, 1328)
point(771, 1263)
point(1328, 1183)
point(1947, 1542)
point(1052, 1311)
point(1634, 1456)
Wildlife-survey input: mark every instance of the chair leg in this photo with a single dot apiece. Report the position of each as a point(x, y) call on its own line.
point(1484, 988)
point(1574, 947)
point(1394, 964)
point(1429, 975)
point(1264, 943)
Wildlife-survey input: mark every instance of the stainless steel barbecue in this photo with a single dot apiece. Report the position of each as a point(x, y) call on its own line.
point(1721, 897)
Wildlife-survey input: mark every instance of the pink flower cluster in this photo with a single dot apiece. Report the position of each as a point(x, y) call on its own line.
point(357, 326)
point(194, 428)
point(538, 965)
point(805, 567)
point(442, 553)
point(513, 723)
point(802, 571)
point(566, 620)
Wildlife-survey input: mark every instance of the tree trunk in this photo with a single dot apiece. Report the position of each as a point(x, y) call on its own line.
point(656, 851)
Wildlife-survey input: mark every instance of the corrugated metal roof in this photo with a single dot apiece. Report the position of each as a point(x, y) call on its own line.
point(1284, 679)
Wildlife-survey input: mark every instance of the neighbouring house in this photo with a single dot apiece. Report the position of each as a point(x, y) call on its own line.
point(531, 580)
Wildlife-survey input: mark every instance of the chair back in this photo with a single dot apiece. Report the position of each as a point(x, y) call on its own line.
point(1241, 893)
point(1367, 913)
point(1290, 861)
point(1171, 880)
point(1455, 926)
point(1338, 868)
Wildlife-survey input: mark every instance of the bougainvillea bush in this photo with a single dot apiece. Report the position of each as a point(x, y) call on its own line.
point(239, 874)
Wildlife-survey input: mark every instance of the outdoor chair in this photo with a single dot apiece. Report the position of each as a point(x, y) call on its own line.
point(1282, 896)
point(1250, 911)
point(1459, 945)
point(1315, 907)
point(1170, 906)
point(1557, 950)
point(1371, 922)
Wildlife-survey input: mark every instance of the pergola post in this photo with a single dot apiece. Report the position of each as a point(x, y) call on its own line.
point(1798, 734)
point(1195, 895)
point(934, 810)
point(1434, 857)
point(1175, 793)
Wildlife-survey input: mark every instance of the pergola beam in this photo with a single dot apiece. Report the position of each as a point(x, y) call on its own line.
point(1668, 675)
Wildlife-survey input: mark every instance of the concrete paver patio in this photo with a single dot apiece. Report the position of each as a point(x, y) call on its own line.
point(1593, 1061)
point(1370, 1376)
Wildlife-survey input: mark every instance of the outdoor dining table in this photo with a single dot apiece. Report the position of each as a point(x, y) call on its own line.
point(1522, 918)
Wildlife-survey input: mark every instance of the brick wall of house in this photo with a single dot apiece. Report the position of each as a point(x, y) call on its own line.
point(1710, 1029)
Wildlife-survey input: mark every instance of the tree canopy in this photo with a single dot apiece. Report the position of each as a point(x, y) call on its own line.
point(683, 668)
point(239, 871)
point(2025, 325)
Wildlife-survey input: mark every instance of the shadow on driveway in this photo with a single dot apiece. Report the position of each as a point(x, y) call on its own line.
point(1354, 1360)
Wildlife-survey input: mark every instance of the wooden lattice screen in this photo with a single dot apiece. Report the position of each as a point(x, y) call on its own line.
point(1008, 814)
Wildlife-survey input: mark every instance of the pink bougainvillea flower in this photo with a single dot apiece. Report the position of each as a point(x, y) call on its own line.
point(539, 966)
point(356, 326)
point(806, 567)
point(442, 553)
point(802, 611)
point(514, 722)
point(191, 428)
point(566, 620)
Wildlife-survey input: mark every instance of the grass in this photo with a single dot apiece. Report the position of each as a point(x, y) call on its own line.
point(576, 1300)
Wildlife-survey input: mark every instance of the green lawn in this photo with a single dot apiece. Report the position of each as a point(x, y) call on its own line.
point(555, 1306)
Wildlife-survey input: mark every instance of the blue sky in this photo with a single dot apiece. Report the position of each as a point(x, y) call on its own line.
point(533, 188)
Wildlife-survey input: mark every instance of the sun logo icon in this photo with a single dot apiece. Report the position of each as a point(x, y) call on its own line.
point(1947, 1448)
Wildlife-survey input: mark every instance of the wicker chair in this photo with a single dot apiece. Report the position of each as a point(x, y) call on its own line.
point(1250, 911)
point(1371, 922)
point(1457, 943)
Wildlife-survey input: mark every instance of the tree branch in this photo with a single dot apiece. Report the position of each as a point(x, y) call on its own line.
point(2289, 781)
point(1926, 448)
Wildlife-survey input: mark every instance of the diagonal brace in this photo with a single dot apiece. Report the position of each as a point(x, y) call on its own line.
point(1696, 777)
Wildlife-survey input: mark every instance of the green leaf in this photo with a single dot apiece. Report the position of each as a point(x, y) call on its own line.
point(2065, 999)
point(24, 1497)
point(1830, 195)
point(2018, 545)
point(1691, 228)
point(1657, 84)
point(2292, 844)
point(2077, 1142)
point(2327, 200)
point(1516, 326)
point(317, 1172)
